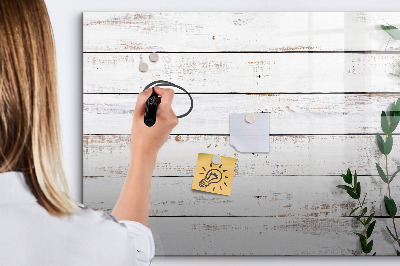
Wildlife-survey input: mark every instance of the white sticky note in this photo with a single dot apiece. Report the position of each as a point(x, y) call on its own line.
point(249, 135)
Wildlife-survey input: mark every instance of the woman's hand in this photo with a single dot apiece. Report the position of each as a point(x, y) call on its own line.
point(148, 140)
point(134, 199)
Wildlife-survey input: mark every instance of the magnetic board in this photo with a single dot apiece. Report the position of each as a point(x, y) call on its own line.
point(324, 79)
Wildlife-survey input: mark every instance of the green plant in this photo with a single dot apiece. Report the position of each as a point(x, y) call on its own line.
point(389, 123)
point(354, 190)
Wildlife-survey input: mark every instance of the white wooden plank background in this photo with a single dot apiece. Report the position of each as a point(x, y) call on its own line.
point(226, 31)
point(256, 196)
point(245, 72)
point(324, 106)
point(320, 155)
point(290, 113)
point(263, 236)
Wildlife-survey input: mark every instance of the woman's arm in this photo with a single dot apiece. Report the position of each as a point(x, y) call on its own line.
point(134, 199)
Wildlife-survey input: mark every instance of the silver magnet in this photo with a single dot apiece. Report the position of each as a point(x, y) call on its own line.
point(216, 159)
point(250, 118)
point(143, 67)
point(153, 57)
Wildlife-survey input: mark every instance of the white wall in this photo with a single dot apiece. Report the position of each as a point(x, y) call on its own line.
point(66, 17)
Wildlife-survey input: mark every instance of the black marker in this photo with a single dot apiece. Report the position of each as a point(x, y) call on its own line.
point(151, 109)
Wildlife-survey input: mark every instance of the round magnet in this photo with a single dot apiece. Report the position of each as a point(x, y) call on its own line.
point(143, 67)
point(250, 118)
point(153, 57)
point(216, 159)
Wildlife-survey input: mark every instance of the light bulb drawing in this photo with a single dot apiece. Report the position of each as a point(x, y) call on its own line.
point(213, 176)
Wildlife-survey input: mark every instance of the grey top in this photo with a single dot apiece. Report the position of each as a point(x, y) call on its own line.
point(29, 235)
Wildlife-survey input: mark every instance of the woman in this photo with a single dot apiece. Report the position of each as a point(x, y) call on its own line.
point(39, 222)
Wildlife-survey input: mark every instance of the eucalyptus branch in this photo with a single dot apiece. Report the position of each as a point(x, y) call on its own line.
point(388, 125)
point(354, 191)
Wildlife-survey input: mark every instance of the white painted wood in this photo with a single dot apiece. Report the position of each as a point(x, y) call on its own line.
point(244, 72)
point(289, 193)
point(108, 155)
point(233, 31)
point(264, 236)
point(290, 114)
point(270, 196)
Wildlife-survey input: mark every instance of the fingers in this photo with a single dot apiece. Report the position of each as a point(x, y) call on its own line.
point(167, 95)
point(141, 102)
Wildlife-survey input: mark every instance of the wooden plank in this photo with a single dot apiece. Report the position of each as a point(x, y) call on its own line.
point(264, 236)
point(234, 31)
point(267, 196)
point(244, 73)
point(290, 113)
point(318, 155)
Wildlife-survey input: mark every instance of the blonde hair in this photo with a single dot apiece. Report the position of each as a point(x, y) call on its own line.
point(29, 122)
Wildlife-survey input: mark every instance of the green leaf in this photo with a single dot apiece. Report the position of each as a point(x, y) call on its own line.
point(398, 253)
point(369, 246)
point(388, 144)
point(374, 254)
point(358, 190)
point(381, 143)
point(359, 235)
point(384, 123)
point(363, 244)
point(346, 179)
point(355, 177)
point(390, 232)
point(349, 173)
point(395, 173)
point(392, 31)
point(390, 206)
point(353, 211)
point(349, 190)
point(369, 218)
point(381, 173)
point(345, 187)
point(394, 120)
point(364, 211)
point(353, 195)
point(370, 228)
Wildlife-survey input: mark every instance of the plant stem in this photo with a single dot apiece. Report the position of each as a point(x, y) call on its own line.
point(365, 227)
point(387, 177)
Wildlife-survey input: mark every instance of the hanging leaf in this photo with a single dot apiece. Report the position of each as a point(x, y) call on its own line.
point(395, 173)
point(353, 211)
point(347, 179)
point(369, 218)
point(358, 190)
point(363, 244)
point(370, 228)
point(374, 254)
point(398, 253)
point(390, 233)
point(381, 143)
point(369, 246)
point(381, 173)
point(384, 123)
point(388, 144)
point(390, 206)
point(392, 31)
point(355, 177)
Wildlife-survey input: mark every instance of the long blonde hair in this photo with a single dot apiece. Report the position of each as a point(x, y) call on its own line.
point(29, 121)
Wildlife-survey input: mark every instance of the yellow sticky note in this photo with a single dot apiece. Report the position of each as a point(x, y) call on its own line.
point(213, 178)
